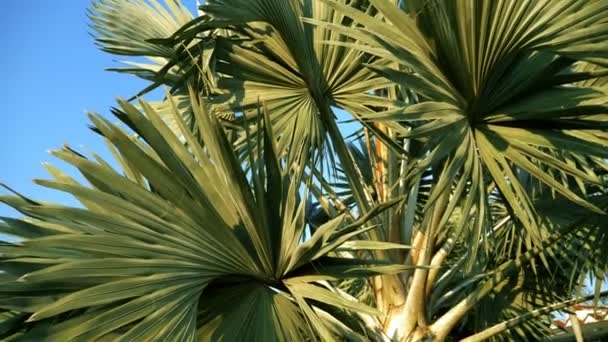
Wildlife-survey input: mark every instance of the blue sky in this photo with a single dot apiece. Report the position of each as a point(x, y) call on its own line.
point(52, 74)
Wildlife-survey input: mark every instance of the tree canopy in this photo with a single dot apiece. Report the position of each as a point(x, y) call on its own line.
point(465, 197)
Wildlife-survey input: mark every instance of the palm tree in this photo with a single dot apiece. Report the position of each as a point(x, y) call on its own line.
point(464, 200)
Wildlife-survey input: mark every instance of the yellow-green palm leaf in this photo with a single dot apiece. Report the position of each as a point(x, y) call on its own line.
point(494, 82)
point(184, 246)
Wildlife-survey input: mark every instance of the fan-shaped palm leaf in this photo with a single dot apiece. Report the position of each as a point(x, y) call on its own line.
point(493, 82)
point(184, 246)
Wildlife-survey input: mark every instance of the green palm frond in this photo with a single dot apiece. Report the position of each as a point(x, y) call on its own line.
point(494, 92)
point(268, 55)
point(183, 246)
point(125, 27)
point(245, 53)
point(567, 262)
point(131, 28)
point(469, 202)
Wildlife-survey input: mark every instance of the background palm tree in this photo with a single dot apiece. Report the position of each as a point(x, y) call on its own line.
point(469, 202)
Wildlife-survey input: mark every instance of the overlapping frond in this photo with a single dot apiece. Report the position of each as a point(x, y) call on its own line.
point(494, 81)
point(268, 55)
point(183, 245)
point(485, 121)
point(568, 262)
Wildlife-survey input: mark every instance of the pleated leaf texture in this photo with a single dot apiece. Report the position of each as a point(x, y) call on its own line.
point(185, 243)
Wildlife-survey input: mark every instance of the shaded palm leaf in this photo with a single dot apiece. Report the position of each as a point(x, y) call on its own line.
point(269, 56)
point(567, 261)
point(184, 246)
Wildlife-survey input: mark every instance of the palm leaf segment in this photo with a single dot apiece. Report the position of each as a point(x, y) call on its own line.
point(127, 28)
point(568, 262)
point(261, 52)
point(291, 69)
point(496, 92)
point(182, 247)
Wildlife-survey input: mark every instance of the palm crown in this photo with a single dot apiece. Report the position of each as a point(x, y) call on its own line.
point(470, 201)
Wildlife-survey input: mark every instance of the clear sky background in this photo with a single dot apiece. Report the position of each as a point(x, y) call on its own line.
point(52, 74)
